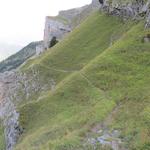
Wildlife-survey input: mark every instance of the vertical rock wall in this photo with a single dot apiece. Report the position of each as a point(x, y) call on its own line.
point(54, 28)
point(60, 25)
point(8, 113)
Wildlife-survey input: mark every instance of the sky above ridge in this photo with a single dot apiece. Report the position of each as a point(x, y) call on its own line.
point(22, 21)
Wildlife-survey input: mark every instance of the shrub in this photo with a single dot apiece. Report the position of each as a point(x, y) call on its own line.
point(53, 42)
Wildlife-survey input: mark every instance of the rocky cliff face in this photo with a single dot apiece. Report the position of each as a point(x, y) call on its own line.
point(16, 88)
point(70, 14)
point(95, 3)
point(129, 9)
point(8, 113)
point(54, 28)
point(63, 23)
point(66, 20)
point(60, 25)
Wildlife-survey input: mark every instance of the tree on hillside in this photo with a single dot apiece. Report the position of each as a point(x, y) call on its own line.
point(101, 2)
point(53, 42)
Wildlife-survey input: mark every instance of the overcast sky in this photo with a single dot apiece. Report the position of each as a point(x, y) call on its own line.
point(22, 21)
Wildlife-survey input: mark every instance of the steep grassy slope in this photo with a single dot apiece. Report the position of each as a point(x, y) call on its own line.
point(123, 73)
point(116, 78)
point(90, 36)
point(77, 49)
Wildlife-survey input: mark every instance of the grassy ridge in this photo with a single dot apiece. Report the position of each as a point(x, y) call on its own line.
point(83, 44)
point(118, 76)
point(123, 72)
point(77, 49)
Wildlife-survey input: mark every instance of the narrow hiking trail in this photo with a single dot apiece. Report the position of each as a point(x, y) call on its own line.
point(102, 134)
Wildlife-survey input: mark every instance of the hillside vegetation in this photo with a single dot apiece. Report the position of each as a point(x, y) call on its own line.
point(2, 137)
point(77, 49)
point(102, 80)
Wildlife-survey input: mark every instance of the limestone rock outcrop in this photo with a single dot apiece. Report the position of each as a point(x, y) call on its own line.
point(95, 3)
point(54, 28)
point(16, 88)
point(134, 9)
point(67, 20)
point(8, 113)
point(60, 25)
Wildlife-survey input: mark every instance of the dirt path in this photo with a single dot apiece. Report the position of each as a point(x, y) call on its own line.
point(105, 136)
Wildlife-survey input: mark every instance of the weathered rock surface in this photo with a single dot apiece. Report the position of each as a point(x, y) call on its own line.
point(108, 139)
point(8, 113)
point(71, 13)
point(16, 88)
point(54, 28)
point(60, 25)
point(134, 9)
point(95, 3)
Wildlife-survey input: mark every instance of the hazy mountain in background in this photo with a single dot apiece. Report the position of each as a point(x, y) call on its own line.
point(15, 60)
point(8, 49)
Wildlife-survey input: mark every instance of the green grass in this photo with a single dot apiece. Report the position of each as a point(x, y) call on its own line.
point(83, 44)
point(122, 72)
point(107, 76)
point(77, 49)
point(2, 137)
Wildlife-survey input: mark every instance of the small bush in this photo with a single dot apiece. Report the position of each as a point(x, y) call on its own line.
point(53, 42)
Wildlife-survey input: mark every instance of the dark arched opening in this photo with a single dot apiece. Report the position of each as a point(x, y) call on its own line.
point(53, 42)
